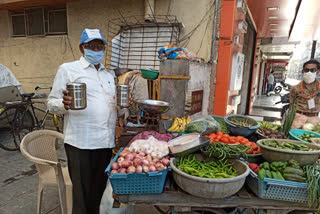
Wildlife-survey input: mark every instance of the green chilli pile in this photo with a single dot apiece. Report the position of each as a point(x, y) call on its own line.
point(202, 169)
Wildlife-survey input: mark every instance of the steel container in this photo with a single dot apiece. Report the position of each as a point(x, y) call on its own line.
point(78, 92)
point(123, 96)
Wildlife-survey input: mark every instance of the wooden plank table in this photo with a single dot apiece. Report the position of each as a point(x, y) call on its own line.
point(184, 202)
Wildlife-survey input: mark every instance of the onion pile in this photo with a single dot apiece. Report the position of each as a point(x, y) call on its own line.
point(131, 162)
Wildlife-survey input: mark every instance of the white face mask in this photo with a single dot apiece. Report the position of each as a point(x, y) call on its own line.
point(309, 77)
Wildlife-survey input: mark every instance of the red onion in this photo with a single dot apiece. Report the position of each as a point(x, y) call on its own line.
point(155, 160)
point(123, 153)
point(131, 169)
point(122, 170)
point(129, 156)
point(134, 154)
point(125, 149)
point(120, 159)
point(115, 166)
point(126, 164)
point(165, 161)
point(139, 169)
point(145, 162)
point(114, 171)
point(159, 166)
point(145, 168)
point(137, 162)
point(149, 158)
point(142, 154)
point(152, 168)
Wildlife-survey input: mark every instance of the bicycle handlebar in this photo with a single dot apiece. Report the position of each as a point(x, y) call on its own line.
point(41, 88)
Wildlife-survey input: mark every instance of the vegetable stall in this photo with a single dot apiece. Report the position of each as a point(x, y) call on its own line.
point(209, 163)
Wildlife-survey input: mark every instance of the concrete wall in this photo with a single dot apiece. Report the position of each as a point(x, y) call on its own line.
point(34, 60)
point(178, 92)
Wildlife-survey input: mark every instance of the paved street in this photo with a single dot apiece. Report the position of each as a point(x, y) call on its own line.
point(19, 186)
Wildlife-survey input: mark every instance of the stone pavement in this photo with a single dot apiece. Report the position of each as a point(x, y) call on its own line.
point(19, 188)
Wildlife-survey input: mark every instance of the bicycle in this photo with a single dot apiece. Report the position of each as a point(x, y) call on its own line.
point(19, 118)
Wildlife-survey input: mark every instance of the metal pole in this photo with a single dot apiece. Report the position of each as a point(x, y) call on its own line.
point(214, 30)
point(313, 49)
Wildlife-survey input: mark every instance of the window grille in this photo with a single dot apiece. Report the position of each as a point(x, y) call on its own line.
point(57, 21)
point(135, 43)
point(39, 21)
point(35, 21)
point(18, 25)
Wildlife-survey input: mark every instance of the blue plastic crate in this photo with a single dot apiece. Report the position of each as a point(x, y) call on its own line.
point(294, 133)
point(136, 183)
point(277, 189)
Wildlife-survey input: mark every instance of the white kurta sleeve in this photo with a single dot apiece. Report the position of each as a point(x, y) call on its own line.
point(55, 98)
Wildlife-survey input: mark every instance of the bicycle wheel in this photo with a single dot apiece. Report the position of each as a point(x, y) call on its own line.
point(23, 123)
point(277, 90)
point(9, 132)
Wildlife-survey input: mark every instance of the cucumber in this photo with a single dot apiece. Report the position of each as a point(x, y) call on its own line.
point(294, 177)
point(291, 170)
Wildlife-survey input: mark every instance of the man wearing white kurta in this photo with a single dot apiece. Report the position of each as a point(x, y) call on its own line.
point(89, 133)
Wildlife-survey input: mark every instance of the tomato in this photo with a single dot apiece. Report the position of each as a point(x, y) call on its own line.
point(239, 138)
point(215, 140)
point(247, 144)
point(259, 150)
point(219, 133)
point(224, 140)
point(218, 137)
point(226, 135)
point(231, 140)
point(249, 151)
point(254, 146)
point(242, 141)
point(213, 135)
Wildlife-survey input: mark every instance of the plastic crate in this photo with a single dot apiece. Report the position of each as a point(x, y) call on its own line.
point(277, 189)
point(136, 183)
point(294, 133)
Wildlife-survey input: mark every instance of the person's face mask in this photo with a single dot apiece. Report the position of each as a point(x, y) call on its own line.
point(309, 77)
point(94, 57)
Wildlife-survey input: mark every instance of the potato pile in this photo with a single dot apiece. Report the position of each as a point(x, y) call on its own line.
point(270, 133)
